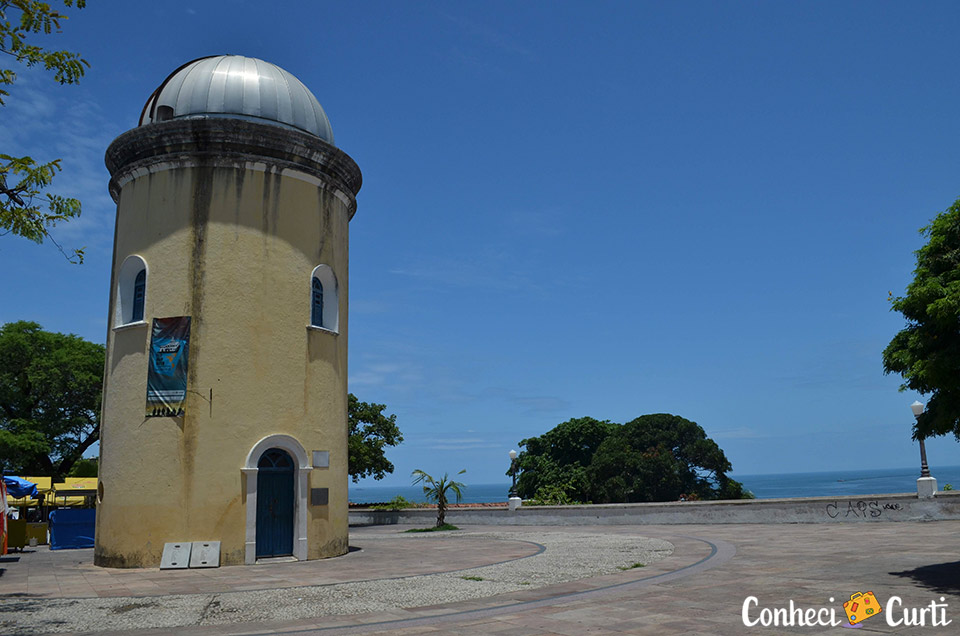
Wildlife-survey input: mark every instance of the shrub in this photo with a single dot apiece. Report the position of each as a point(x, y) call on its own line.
point(552, 495)
point(397, 503)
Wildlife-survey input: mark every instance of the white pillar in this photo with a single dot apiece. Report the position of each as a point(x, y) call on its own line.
point(303, 491)
point(250, 539)
point(926, 487)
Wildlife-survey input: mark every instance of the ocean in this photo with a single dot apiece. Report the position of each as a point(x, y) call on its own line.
point(820, 484)
point(837, 483)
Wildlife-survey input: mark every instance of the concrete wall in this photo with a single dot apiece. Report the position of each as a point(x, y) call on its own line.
point(230, 238)
point(859, 509)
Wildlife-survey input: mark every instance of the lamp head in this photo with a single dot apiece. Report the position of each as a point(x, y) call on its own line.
point(513, 454)
point(917, 408)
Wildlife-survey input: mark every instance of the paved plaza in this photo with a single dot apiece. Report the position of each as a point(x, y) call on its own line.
point(696, 583)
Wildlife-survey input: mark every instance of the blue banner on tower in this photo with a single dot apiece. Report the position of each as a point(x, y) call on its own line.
point(167, 373)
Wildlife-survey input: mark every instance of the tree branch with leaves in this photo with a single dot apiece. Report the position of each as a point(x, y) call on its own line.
point(926, 352)
point(370, 432)
point(26, 210)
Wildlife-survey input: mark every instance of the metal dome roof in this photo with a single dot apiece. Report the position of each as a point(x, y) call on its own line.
point(235, 86)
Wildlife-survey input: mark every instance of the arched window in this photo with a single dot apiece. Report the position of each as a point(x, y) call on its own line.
point(324, 308)
point(276, 458)
point(131, 293)
point(139, 290)
point(316, 308)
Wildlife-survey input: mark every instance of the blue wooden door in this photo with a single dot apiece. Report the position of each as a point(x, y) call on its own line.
point(274, 504)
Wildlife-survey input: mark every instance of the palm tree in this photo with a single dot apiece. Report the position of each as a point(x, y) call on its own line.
point(436, 490)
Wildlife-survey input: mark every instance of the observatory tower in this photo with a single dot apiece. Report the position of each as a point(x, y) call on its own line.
point(225, 395)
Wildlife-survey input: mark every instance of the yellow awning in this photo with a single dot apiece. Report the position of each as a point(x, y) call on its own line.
point(77, 483)
point(44, 487)
point(44, 484)
point(65, 493)
point(49, 490)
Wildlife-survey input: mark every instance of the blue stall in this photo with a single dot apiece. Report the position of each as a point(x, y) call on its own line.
point(72, 528)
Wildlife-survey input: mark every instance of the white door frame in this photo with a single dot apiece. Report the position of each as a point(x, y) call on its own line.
point(300, 489)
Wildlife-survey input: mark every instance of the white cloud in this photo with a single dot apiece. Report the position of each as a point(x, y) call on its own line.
point(30, 104)
point(458, 443)
point(536, 404)
point(453, 272)
point(741, 432)
point(369, 306)
point(494, 38)
point(380, 373)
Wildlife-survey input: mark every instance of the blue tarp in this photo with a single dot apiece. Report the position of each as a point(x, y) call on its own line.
point(72, 528)
point(18, 487)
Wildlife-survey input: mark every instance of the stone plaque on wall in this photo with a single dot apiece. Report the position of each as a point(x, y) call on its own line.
point(321, 459)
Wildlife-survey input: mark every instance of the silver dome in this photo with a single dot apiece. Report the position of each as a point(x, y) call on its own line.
point(235, 86)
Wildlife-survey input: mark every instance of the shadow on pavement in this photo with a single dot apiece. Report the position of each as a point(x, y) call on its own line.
point(940, 577)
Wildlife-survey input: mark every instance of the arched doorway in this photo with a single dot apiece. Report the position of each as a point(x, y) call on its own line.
point(250, 472)
point(275, 491)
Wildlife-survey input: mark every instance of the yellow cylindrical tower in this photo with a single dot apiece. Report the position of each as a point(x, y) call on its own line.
point(233, 207)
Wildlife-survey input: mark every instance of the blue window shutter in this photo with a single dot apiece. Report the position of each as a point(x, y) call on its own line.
point(316, 313)
point(139, 290)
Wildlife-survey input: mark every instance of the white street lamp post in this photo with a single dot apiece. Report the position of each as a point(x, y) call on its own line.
point(514, 501)
point(926, 485)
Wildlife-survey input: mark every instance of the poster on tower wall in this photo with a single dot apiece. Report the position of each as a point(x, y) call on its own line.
point(167, 370)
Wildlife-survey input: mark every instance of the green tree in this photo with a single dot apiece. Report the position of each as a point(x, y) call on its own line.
point(23, 211)
point(436, 490)
point(370, 433)
point(651, 458)
point(660, 457)
point(50, 386)
point(927, 351)
point(85, 467)
point(557, 460)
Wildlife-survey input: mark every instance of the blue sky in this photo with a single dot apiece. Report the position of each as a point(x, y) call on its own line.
point(605, 209)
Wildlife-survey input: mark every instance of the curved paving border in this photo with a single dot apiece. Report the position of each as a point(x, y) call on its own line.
point(213, 612)
point(720, 552)
point(70, 574)
point(569, 557)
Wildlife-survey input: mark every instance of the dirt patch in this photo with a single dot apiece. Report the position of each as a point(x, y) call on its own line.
point(129, 607)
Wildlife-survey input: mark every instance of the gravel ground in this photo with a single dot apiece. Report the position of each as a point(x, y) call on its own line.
point(567, 557)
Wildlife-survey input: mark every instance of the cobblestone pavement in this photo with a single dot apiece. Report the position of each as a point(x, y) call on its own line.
point(700, 588)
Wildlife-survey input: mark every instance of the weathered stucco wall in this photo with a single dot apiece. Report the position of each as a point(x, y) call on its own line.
point(230, 239)
point(859, 509)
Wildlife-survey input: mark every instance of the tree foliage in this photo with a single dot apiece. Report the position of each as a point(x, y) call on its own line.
point(436, 490)
point(559, 458)
point(85, 467)
point(927, 351)
point(657, 457)
point(370, 433)
point(23, 211)
point(50, 392)
point(50, 386)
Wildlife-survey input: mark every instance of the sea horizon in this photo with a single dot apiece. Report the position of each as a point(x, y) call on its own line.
point(828, 483)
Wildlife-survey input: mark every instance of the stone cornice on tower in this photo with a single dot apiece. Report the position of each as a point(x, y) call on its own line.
point(229, 142)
